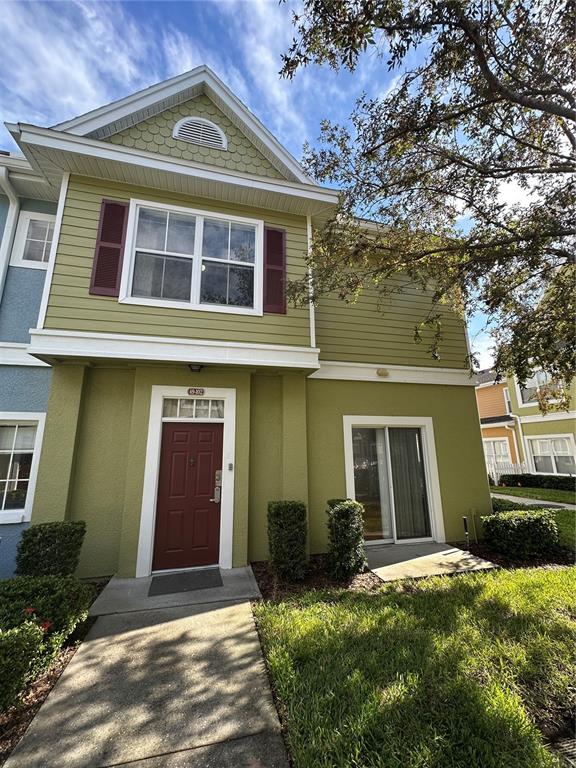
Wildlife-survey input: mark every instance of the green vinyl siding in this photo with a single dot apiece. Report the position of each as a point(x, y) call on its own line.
point(71, 307)
point(155, 135)
point(369, 331)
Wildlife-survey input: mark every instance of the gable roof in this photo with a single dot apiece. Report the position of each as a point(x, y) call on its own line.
point(114, 117)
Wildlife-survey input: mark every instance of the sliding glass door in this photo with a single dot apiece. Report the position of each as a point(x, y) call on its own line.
point(390, 481)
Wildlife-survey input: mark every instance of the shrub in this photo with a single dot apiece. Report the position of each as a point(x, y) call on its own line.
point(346, 556)
point(55, 603)
point(287, 528)
point(559, 482)
point(50, 549)
point(503, 505)
point(491, 482)
point(523, 535)
point(20, 649)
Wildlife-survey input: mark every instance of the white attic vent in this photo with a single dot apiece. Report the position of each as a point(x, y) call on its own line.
point(197, 130)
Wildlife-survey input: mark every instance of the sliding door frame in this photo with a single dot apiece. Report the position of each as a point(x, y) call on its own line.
point(426, 425)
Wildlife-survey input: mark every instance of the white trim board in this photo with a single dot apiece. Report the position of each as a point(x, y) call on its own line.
point(152, 466)
point(53, 250)
point(80, 344)
point(28, 418)
point(393, 374)
point(539, 418)
point(426, 424)
point(16, 354)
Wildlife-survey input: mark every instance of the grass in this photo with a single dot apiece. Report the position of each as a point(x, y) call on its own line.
point(566, 522)
point(545, 494)
point(462, 672)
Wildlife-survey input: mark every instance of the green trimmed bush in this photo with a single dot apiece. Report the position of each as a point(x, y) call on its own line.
point(20, 649)
point(559, 482)
point(50, 549)
point(56, 603)
point(287, 530)
point(346, 555)
point(523, 535)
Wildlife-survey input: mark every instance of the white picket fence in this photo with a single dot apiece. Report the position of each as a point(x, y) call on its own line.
point(497, 468)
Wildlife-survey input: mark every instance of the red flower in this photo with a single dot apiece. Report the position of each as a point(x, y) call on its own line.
point(29, 610)
point(46, 624)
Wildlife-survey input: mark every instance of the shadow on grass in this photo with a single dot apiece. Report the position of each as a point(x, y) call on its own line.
point(449, 674)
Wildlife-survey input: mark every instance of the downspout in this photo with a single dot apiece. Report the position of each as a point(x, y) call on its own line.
point(9, 227)
point(522, 440)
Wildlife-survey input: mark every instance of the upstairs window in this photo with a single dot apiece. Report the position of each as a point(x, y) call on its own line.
point(537, 383)
point(184, 258)
point(197, 130)
point(33, 240)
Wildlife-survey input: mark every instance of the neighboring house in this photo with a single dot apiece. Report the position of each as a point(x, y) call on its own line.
point(516, 435)
point(27, 215)
point(186, 393)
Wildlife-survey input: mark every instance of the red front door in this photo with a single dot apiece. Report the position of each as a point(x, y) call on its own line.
point(187, 520)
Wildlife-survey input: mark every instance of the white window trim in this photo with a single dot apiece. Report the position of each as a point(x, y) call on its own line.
point(152, 467)
point(571, 442)
point(426, 424)
point(25, 418)
point(203, 120)
point(485, 440)
point(16, 257)
point(130, 249)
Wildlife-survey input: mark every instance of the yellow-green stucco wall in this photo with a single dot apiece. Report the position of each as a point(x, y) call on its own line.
point(289, 444)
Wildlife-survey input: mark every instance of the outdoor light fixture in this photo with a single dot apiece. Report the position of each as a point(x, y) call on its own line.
point(195, 368)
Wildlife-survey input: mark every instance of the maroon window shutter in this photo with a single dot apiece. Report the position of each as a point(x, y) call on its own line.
point(109, 252)
point(275, 271)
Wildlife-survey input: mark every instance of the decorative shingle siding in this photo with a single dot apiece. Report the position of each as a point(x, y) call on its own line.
point(71, 307)
point(155, 135)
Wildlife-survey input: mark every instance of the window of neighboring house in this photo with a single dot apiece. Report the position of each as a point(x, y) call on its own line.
point(534, 385)
point(507, 401)
point(33, 240)
point(553, 455)
point(19, 445)
point(497, 451)
point(190, 259)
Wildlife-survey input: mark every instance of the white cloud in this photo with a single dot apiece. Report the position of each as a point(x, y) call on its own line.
point(483, 347)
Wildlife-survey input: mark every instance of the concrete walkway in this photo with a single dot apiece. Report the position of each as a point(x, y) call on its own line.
point(392, 562)
point(533, 502)
point(171, 687)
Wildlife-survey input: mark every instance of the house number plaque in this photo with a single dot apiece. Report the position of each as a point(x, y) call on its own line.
point(196, 391)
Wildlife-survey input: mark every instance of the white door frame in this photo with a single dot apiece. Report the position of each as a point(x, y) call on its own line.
point(152, 468)
point(426, 424)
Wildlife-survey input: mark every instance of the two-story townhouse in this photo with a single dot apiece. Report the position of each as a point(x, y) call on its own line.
point(517, 436)
point(27, 215)
point(186, 393)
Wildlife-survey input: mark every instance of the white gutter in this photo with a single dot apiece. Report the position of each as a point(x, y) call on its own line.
point(9, 227)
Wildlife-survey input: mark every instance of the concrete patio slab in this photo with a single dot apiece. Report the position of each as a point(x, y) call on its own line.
point(182, 686)
point(405, 561)
point(127, 595)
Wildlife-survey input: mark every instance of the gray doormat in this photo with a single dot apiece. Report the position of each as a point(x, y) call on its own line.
point(185, 582)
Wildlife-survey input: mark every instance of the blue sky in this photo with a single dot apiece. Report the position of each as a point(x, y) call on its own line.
point(62, 59)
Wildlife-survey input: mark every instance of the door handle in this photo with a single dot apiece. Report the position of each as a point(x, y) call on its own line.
point(217, 492)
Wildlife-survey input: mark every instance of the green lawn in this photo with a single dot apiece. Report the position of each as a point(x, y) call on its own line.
point(438, 673)
point(545, 494)
point(566, 522)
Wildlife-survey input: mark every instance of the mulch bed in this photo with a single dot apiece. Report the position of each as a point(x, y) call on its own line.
point(15, 721)
point(562, 557)
point(317, 577)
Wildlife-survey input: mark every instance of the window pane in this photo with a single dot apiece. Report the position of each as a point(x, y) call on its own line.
point(214, 283)
point(241, 286)
point(162, 277)
point(177, 279)
point(529, 394)
point(25, 438)
point(242, 242)
point(371, 486)
point(20, 469)
point(560, 445)
point(151, 229)
point(170, 407)
point(202, 409)
point(7, 438)
point(565, 465)
point(543, 464)
point(37, 229)
point(409, 483)
point(16, 495)
point(181, 229)
point(187, 409)
point(216, 409)
point(33, 250)
point(4, 465)
point(215, 239)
